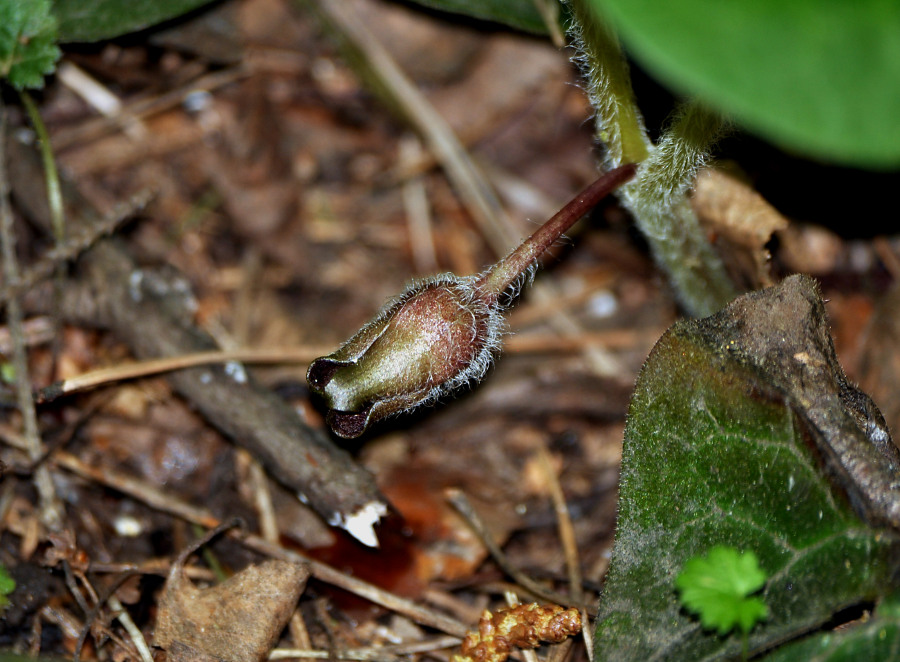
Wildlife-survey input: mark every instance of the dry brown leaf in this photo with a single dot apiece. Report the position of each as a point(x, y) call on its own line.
point(880, 360)
point(236, 621)
point(742, 221)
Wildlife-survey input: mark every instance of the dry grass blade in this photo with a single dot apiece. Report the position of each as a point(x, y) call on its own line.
point(150, 367)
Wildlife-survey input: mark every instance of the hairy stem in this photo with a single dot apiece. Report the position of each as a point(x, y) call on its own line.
point(657, 198)
point(619, 124)
point(503, 274)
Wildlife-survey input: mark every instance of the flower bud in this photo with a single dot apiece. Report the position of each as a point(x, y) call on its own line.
point(441, 333)
point(436, 336)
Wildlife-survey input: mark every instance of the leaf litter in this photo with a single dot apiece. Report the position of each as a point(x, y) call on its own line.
point(279, 198)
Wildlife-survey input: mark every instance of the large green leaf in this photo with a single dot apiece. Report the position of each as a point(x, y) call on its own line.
point(520, 14)
point(818, 76)
point(93, 20)
point(730, 422)
point(876, 638)
point(28, 48)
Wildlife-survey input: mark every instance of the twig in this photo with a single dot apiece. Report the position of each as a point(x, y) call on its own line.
point(51, 513)
point(92, 615)
point(459, 501)
point(144, 108)
point(567, 538)
point(153, 310)
point(262, 499)
point(149, 367)
point(566, 530)
point(140, 490)
point(81, 240)
point(133, 631)
point(379, 596)
point(525, 343)
point(368, 654)
point(415, 199)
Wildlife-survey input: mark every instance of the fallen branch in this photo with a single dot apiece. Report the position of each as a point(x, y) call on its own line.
point(152, 310)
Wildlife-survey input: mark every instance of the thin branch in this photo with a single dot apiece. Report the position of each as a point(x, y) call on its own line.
point(564, 522)
point(51, 509)
point(459, 501)
point(567, 537)
point(368, 654)
point(133, 631)
point(149, 367)
point(153, 310)
point(81, 241)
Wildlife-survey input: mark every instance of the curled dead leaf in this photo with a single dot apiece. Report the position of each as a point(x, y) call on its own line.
point(741, 219)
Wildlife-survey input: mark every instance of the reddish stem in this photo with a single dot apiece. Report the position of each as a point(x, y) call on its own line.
point(503, 274)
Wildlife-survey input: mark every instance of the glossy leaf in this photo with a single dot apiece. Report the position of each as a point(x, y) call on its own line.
point(721, 449)
point(93, 20)
point(519, 14)
point(28, 50)
point(818, 77)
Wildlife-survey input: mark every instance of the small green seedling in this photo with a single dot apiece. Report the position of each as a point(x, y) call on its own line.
point(7, 586)
point(28, 49)
point(717, 587)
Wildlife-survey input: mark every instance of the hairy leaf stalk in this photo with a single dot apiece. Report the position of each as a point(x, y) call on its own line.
point(657, 197)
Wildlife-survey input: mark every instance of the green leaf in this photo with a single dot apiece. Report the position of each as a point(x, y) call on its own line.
point(877, 638)
point(717, 587)
point(94, 20)
point(7, 586)
point(723, 447)
point(818, 77)
point(28, 50)
point(519, 14)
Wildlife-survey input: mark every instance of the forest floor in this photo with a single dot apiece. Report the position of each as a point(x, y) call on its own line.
point(293, 202)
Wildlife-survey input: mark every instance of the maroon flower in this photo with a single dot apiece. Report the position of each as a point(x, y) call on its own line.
point(440, 334)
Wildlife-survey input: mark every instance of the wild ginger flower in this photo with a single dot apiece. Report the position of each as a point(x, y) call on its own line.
point(439, 334)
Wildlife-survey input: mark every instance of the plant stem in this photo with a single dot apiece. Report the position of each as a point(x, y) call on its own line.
point(54, 192)
point(619, 124)
point(657, 197)
point(55, 204)
point(512, 267)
